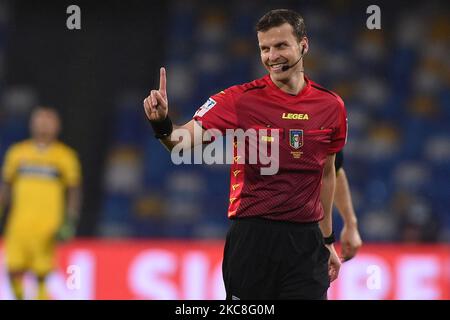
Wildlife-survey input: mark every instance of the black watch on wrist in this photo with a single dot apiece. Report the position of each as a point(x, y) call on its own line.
point(330, 239)
point(162, 129)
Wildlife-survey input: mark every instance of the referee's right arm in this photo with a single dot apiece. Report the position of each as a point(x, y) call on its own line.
point(156, 108)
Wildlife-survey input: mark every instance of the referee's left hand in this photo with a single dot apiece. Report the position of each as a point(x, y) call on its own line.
point(334, 263)
point(350, 242)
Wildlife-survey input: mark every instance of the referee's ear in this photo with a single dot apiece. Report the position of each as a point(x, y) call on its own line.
point(304, 45)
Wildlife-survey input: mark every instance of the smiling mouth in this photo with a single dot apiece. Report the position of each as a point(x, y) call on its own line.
point(277, 66)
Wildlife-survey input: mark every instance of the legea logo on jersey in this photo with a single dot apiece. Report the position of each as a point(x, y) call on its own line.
point(295, 116)
point(208, 105)
point(231, 148)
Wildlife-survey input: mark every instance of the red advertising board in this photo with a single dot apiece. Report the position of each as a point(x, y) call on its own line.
point(152, 269)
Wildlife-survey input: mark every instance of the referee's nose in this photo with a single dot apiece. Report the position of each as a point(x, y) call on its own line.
point(274, 54)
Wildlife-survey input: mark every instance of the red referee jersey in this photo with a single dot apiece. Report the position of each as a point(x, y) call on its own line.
point(311, 124)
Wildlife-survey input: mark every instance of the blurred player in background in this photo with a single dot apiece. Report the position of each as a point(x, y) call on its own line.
point(36, 174)
point(350, 238)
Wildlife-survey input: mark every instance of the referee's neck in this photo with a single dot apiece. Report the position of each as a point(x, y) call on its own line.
point(293, 85)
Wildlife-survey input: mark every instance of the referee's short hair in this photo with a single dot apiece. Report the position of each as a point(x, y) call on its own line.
point(277, 17)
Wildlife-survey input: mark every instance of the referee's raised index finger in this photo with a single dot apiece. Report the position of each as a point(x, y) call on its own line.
point(162, 79)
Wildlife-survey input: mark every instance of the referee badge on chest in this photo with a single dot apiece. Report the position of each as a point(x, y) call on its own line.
point(296, 141)
point(296, 138)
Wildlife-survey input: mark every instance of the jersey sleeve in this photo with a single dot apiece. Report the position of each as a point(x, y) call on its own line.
point(339, 135)
point(219, 111)
point(71, 169)
point(10, 164)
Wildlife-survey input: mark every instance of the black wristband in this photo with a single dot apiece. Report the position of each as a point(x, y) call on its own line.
point(162, 129)
point(330, 239)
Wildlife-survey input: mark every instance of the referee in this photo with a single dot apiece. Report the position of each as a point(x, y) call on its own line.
point(280, 243)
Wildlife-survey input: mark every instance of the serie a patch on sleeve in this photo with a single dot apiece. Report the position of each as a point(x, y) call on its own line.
point(208, 105)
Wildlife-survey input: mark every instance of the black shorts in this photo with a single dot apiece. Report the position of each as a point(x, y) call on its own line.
point(266, 259)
